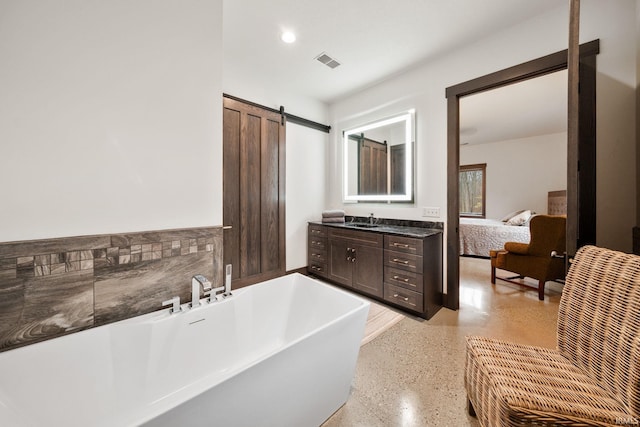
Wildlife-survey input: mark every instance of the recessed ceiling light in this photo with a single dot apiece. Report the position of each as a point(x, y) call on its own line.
point(288, 37)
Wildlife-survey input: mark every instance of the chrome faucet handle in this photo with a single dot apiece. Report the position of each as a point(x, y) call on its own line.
point(215, 295)
point(204, 282)
point(174, 303)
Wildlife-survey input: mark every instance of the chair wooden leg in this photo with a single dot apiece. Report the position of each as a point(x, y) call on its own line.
point(541, 284)
point(493, 275)
point(470, 409)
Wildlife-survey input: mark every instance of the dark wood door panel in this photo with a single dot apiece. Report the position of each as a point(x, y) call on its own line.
point(270, 209)
point(253, 192)
point(250, 195)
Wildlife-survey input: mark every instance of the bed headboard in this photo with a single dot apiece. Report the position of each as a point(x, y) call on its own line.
point(557, 202)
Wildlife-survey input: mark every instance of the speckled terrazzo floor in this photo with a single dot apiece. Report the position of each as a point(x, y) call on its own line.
point(412, 374)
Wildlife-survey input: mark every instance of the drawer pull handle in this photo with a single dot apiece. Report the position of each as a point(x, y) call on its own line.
point(402, 261)
point(404, 298)
point(406, 279)
point(400, 245)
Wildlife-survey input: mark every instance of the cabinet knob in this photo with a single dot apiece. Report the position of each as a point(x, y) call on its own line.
point(353, 259)
point(348, 258)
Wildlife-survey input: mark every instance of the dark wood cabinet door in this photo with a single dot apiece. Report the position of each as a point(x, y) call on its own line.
point(340, 261)
point(367, 270)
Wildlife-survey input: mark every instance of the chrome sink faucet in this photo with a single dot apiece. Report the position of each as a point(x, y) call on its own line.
point(371, 219)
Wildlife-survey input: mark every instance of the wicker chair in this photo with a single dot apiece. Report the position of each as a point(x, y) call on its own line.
point(534, 259)
point(592, 378)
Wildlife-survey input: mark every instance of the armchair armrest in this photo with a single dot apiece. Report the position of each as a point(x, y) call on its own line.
point(517, 248)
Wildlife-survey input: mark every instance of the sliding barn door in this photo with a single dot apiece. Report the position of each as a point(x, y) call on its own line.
point(253, 192)
point(372, 167)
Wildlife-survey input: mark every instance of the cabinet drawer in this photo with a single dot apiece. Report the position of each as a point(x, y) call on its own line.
point(317, 254)
point(317, 243)
point(404, 297)
point(317, 231)
point(357, 237)
point(403, 261)
point(317, 268)
point(404, 279)
point(407, 245)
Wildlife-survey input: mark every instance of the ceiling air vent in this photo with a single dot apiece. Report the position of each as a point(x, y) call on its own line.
point(327, 60)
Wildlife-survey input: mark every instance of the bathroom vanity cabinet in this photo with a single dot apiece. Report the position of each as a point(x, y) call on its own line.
point(400, 266)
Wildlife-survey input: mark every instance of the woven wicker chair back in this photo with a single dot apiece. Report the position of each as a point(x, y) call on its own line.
point(599, 320)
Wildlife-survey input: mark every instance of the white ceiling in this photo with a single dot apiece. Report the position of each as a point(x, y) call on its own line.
point(373, 39)
point(530, 108)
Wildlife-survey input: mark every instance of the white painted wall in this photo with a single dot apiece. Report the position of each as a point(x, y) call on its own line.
point(423, 88)
point(614, 23)
point(306, 183)
point(520, 172)
point(110, 116)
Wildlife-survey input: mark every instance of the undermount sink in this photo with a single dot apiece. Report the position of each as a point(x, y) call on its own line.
point(362, 225)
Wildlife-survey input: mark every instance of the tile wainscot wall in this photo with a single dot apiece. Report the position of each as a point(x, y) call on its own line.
point(57, 286)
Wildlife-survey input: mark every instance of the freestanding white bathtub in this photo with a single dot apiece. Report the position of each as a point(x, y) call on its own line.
point(280, 353)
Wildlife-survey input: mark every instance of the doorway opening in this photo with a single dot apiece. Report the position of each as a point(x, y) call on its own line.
point(585, 197)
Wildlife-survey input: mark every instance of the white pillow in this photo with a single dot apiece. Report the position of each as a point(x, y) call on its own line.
point(510, 215)
point(520, 219)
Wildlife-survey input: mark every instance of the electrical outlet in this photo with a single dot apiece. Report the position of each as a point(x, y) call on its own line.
point(431, 212)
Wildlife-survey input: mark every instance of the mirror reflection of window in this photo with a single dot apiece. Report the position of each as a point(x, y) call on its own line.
point(472, 190)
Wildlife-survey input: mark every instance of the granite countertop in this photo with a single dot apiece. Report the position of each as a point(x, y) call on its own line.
point(399, 230)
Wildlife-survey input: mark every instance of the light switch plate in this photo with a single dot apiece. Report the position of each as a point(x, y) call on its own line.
point(431, 212)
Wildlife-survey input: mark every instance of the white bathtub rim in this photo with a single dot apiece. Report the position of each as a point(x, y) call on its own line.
point(191, 390)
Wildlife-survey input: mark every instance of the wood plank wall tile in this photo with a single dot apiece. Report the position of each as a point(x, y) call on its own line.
point(53, 287)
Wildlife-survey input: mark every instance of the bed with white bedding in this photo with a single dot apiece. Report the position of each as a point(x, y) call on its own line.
point(478, 235)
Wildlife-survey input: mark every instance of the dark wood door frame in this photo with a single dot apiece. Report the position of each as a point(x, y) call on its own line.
point(528, 70)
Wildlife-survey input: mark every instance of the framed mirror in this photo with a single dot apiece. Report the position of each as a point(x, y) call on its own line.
point(378, 160)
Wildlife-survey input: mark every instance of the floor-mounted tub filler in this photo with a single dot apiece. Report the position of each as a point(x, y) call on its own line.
point(279, 353)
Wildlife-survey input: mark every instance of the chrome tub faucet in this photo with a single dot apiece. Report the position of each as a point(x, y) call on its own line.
point(199, 283)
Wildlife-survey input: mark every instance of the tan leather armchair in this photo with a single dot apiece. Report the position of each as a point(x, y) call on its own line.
point(534, 259)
